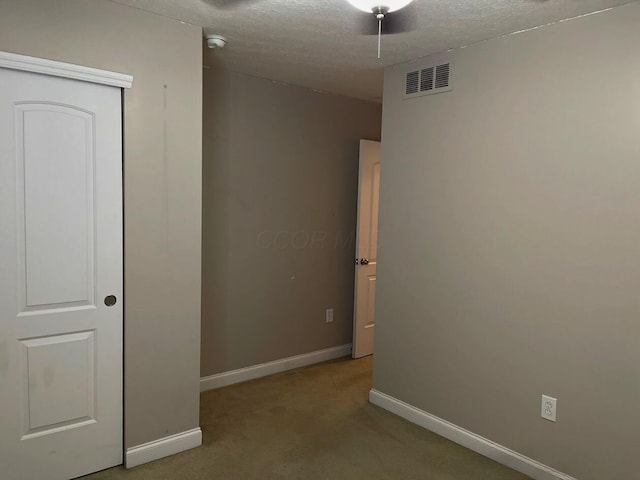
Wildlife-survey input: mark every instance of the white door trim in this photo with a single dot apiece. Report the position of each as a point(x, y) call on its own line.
point(14, 61)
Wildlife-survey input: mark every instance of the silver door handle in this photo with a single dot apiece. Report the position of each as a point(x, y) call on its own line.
point(364, 261)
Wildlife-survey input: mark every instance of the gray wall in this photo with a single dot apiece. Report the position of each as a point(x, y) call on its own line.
point(280, 176)
point(162, 171)
point(509, 264)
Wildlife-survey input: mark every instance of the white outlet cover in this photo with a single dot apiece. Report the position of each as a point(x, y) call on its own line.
point(329, 315)
point(549, 407)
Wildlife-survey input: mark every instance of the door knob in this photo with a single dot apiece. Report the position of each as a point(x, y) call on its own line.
point(364, 261)
point(110, 300)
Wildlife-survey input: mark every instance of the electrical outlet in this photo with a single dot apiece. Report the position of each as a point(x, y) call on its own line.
point(328, 315)
point(549, 405)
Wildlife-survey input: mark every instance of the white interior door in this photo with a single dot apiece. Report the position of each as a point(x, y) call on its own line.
point(366, 249)
point(60, 256)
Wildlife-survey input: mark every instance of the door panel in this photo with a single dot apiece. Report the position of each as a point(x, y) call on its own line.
point(370, 314)
point(367, 248)
point(61, 254)
point(56, 218)
point(58, 382)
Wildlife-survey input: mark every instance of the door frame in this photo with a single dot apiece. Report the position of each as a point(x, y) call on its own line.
point(13, 61)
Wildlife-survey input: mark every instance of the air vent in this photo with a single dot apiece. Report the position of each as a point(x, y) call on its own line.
point(428, 80)
point(413, 78)
point(442, 76)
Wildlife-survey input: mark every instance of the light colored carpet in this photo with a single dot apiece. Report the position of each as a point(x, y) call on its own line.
point(312, 423)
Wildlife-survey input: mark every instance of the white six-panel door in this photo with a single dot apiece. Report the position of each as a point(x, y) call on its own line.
point(366, 249)
point(60, 261)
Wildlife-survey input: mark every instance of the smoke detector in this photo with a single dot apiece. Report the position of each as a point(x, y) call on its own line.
point(215, 41)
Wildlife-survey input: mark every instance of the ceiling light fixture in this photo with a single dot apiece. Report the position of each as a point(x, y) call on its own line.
point(379, 8)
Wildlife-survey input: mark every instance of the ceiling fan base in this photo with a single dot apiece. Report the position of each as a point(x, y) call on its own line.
point(380, 11)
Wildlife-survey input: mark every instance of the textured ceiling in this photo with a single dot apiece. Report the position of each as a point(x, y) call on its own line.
point(316, 43)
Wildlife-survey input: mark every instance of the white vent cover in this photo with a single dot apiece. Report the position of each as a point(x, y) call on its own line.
point(428, 80)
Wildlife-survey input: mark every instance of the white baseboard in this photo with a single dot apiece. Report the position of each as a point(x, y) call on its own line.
point(470, 440)
point(163, 447)
point(277, 366)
